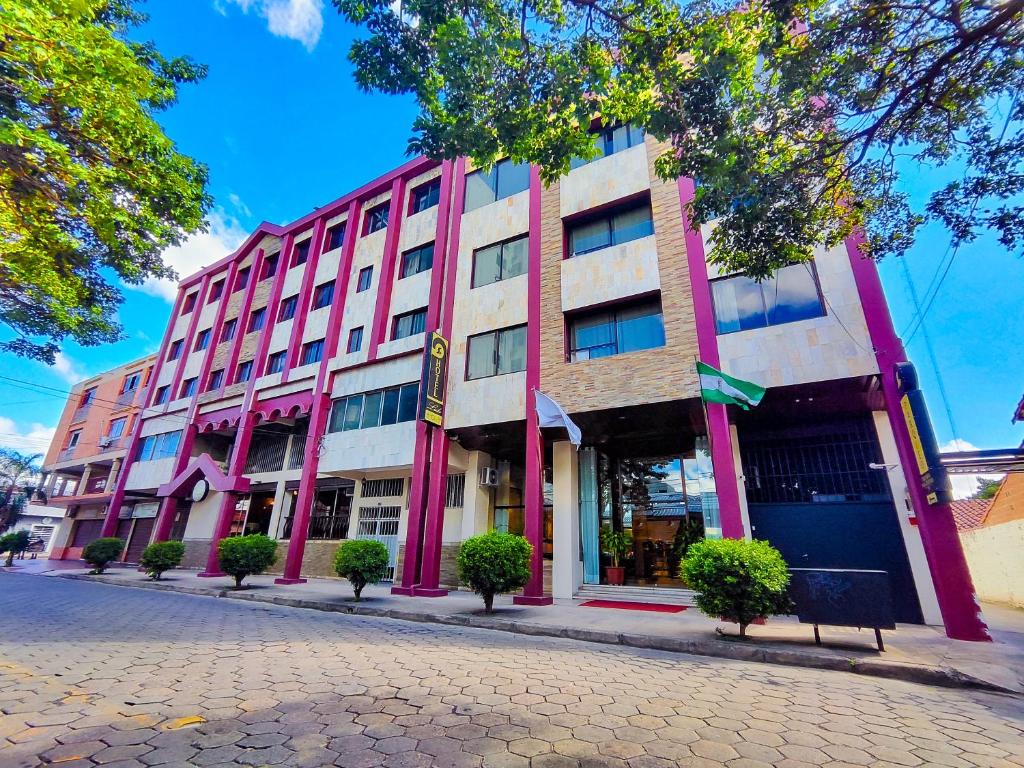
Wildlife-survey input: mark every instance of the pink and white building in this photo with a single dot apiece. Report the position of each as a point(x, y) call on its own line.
point(284, 397)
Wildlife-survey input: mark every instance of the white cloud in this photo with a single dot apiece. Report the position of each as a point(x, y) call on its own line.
point(964, 486)
point(239, 204)
point(68, 369)
point(34, 440)
point(301, 20)
point(200, 250)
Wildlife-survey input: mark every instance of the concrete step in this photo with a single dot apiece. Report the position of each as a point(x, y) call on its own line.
point(634, 594)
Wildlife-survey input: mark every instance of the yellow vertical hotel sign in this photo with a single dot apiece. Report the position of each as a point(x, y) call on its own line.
point(435, 377)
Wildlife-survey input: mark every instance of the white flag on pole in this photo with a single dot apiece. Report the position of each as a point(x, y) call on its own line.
point(551, 414)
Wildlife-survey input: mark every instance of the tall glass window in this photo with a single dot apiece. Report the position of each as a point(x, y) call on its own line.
point(614, 228)
point(616, 331)
point(791, 294)
point(379, 407)
point(501, 180)
point(496, 352)
point(500, 262)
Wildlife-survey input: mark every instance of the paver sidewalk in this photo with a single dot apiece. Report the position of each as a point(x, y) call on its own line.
point(915, 653)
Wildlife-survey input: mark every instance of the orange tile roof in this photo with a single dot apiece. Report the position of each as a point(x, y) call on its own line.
point(970, 513)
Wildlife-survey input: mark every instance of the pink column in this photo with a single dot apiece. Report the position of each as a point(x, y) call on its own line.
point(302, 308)
point(379, 332)
point(239, 455)
point(412, 556)
point(430, 571)
point(533, 593)
point(946, 562)
point(719, 434)
point(165, 518)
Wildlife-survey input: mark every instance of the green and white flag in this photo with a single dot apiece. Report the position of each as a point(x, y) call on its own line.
point(718, 387)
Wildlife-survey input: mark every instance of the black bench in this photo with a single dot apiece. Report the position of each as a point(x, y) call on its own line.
point(842, 598)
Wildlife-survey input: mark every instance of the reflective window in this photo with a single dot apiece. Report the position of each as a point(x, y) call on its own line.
point(617, 331)
point(324, 295)
point(417, 260)
point(300, 255)
point(365, 279)
point(335, 236)
point(244, 371)
point(216, 379)
point(227, 332)
point(500, 262)
point(409, 324)
point(614, 228)
point(275, 363)
point(189, 386)
point(425, 196)
point(203, 340)
point(312, 352)
point(256, 318)
point(379, 407)
point(790, 294)
point(611, 140)
point(502, 180)
point(376, 218)
point(287, 311)
point(355, 340)
point(496, 352)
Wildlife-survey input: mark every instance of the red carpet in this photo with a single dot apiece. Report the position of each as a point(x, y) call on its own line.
point(627, 606)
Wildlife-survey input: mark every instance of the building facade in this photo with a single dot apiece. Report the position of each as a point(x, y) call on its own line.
point(87, 456)
point(284, 397)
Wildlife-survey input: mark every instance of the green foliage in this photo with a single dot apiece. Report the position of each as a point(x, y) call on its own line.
point(90, 186)
point(161, 556)
point(689, 532)
point(100, 552)
point(789, 114)
point(494, 563)
point(987, 488)
point(13, 543)
point(242, 556)
point(618, 544)
point(738, 580)
point(362, 562)
point(17, 472)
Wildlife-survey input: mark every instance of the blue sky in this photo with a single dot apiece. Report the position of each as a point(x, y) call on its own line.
point(283, 129)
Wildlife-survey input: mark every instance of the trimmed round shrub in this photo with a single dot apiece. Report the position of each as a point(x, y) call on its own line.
point(12, 543)
point(737, 580)
point(242, 556)
point(495, 563)
point(161, 556)
point(99, 553)
point(362, 562)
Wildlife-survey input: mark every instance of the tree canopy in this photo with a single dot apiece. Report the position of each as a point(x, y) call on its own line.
point(91, 189)
point(18, 471)
point(791, 115)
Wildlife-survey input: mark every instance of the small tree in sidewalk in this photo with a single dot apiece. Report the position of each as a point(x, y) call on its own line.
point(362, 562)
point(161, 556)
point(242, 556)
point(495, 563)
point(738, 580)
point(13, 543)
point(101, 552)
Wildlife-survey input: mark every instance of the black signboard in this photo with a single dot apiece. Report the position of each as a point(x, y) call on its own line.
point(435, 376)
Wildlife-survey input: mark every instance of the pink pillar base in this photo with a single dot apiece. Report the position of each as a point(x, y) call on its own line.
point(429, 592)
point(285, 580)
point(407, 591)
point(532, 600)
point(210, 575)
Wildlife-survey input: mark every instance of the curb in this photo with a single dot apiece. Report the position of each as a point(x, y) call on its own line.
point(925, 674)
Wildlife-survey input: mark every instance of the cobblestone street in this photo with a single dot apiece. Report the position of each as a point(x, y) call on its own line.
point(96, 674)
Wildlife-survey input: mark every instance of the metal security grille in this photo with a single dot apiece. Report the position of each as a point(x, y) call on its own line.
point(382, 488)
point(381, 524)
point(814, 463)
point(455, 491)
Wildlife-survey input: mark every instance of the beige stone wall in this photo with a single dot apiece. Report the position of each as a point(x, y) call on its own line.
point(653, 375)
point(196, 553)
point(317, 558)
point(995, 555)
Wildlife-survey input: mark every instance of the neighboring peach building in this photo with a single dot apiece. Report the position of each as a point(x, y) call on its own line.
point(995, 547)
point(87, 453)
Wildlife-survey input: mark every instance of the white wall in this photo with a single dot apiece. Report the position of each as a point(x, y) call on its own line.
point(995, 555)
point(149, 474)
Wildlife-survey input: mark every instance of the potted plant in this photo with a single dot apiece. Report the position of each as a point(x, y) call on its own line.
point(618, 544)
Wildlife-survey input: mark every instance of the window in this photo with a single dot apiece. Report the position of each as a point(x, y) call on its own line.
point(175, 352)
point(256, 318)
point(116, 428)
point(163, 394)
point(335, 236)
point(425, 196)
point(355, 340)
point(612, 140)
point(504, 178)
point(365, 279)
point(189, 386)
point(417, 260)
point(73, 439)
point(287, 311)
point(270, 266)
point(300, 254)
point(242, 279)
point(374, 409)
point(156, 447)
point(615, 228)
point(496, 352)
point(455, 491)
point(227, 333)
point(500, 262)
point(384, 488)
point(203, 340)
point(376, 218)
point(616, 331)
point(275, 363)
point(312, 351)
point(87, 397)
point(324, 295)
point(189, 303)
point(790, 294)
point(244, 372)
point(216, 291)
point(131, 382)
point(409, 324)
point(216, 380)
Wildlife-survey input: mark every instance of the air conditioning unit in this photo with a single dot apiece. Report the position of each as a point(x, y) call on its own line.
point(489, 476)
point(105, 442)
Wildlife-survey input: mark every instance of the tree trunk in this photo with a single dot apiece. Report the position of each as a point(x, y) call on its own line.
point(488, 602)
point(358, 588)
point(743, 630)
point(238, 580)
point(9, 563)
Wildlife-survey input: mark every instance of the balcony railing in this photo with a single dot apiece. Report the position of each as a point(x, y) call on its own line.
point(266, 455)
point(297, 454)
point(67, 453)
point(127, 398)
point(81, 412)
